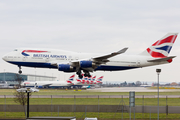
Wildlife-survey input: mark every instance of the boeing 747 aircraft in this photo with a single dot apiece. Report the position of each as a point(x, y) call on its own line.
point(77, 62)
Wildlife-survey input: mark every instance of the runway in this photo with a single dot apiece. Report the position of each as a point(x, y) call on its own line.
point(95, 96)
point(128, 89)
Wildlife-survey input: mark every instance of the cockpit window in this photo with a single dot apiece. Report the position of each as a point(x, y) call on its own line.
point(15, 50)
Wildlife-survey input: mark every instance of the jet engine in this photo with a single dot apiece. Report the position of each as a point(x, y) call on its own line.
point(86, 64)
point(65, 68)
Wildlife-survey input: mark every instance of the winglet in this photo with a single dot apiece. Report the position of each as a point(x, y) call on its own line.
point(122, 50)
point(110, 55)
point(119, 52)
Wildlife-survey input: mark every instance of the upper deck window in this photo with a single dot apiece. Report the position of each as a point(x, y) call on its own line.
point(15, 50)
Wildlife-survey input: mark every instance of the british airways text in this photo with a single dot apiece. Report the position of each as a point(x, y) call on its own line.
point(49, 56)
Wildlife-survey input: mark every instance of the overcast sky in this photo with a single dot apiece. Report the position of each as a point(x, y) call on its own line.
point(101, 26)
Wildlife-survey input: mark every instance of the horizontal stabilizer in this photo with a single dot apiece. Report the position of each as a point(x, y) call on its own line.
point(161, 59)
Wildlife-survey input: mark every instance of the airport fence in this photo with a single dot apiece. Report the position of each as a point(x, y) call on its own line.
point(79, 105)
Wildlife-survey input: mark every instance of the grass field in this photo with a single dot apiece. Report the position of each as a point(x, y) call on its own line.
point(84, 92)
point(100, 116)
point(94, 101)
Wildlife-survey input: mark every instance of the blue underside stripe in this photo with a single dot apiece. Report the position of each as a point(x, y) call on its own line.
point(24, 54)
point(33, 64)
point(48, 65)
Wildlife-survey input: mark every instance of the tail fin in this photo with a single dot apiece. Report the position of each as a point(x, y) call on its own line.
point(90, 78)
point(80, 79)
point(93, 79)
point(85, 78)
point(69, 81)
point(162, 47)
point(71, 78)
point(100, 78)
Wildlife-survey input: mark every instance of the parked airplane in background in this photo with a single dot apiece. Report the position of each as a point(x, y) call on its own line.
point(145, 86)
point(77, 62)
point(49, 84)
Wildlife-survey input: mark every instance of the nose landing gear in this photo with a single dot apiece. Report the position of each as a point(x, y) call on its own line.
point(20, 71)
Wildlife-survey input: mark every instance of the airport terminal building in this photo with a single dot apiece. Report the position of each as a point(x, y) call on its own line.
point(10, 77)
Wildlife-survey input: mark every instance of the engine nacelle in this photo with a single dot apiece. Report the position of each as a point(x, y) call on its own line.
point(65, 68)
point(86, 64)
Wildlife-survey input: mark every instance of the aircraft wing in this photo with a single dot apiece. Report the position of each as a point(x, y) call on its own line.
point(161, 59)
point(105, 57)
point(95, 61)
point(98, 59)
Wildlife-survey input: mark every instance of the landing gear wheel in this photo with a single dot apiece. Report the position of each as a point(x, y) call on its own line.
point(20, 71)
point(80, 76)
point(87, 74)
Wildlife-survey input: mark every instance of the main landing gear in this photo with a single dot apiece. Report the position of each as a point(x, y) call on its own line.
point(20, 71)
point(79, 74)
point(86, 73)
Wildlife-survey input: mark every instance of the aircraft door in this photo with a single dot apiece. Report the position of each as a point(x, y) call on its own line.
point(24, 58)
point(138, 63)
point(47, 59)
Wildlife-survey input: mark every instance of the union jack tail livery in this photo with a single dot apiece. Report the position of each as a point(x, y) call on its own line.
point(71, 79)
point(93, 79)
point(162, 47)
point(85, 80)
point(80, 79)
point(99, 80)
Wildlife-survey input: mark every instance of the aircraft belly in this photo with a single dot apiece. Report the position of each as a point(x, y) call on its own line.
point(114, 68)
point(33, 64)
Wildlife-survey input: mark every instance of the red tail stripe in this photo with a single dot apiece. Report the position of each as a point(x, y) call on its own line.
point(155, 54)
point(34, 51)
point(170, 39)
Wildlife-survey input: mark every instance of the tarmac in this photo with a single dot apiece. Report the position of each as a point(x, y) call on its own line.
point(128, 89)
point(110, 89)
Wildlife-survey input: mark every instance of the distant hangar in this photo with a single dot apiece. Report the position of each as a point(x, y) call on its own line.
point(9, 77)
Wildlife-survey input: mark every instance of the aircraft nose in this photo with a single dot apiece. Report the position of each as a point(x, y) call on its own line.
point(4, 58)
